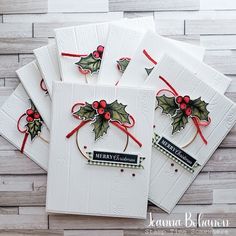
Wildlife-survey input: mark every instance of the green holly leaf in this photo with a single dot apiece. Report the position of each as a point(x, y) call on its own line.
point(33, 106)
point(167, 104)
point(179, 121)
point(34, 128)
point(89, 63)
point(122, 64)
point(199, 109)
point(118, 112)
point(86, 112)
point(149, 70)
point(100, 127)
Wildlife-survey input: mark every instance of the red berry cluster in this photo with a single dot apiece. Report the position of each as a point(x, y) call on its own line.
point(99, 52)
point(183, 104)
point(32, 115)
point(101, 109)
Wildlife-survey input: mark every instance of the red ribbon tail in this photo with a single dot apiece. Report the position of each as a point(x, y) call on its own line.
point(126, 131)
point(24, 142)
point(77, 128)
point(149, 57)
point(73, 55)
point(199, 129)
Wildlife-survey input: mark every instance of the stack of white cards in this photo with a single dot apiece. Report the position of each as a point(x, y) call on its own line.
point(117, 115)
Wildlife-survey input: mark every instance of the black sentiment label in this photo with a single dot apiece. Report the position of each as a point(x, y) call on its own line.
point(176, 151)
point(115, 157)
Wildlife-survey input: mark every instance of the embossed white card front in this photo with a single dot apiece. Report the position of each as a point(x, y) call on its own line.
point(76, 183)
point(10, 113)
point(186, 135)
point(83, 40)
point(47, 58)
point(149, 53)
point(121, 45)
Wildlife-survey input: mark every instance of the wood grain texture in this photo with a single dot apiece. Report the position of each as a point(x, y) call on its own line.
point(23, 6)
point(132, 5)
point(26, 26)
point(20, 45)
point(210, 26)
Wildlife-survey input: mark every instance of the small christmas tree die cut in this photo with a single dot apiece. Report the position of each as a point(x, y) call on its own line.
point(191, 120)
point(22, 125)
point(105, 140)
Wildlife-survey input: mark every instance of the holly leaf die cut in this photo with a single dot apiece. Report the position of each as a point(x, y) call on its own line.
point(179, 121)
point(199, 109)
point(167, 104)
point(34, 121)
point(181, 108)
point(122, 64)
point(149, 70)
point(101, 126)
point(86, 112)
point(34, 128)
point(89, 64)
point(101, 114)
point(118, 112)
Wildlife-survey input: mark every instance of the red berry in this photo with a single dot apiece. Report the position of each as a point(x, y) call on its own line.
point(107, 115)
point(96, 54)
point(100, 49)
point(179, 99)
point(186, 99)
point(29, 119)
point(183, 106)
point(95, 105)
point(188, 111)
point(29, 112)
point(100, 111)
point(36, 115)
point(103, 103)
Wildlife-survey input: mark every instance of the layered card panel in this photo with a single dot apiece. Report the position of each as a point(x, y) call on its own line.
point(81, 48)
point(47, 58)
point(97, 168)
point(149, 53)
point(186, 132)
point(35, 86)
point(121, 45)
point(12, 114)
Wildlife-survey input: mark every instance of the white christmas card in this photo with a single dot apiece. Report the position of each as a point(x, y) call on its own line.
point(35, 86)
point(149, 53)
point(191, 120)
point(100, 153)
point(121, 45)
point(22, 125)
point(80, 48)
point(47, 60)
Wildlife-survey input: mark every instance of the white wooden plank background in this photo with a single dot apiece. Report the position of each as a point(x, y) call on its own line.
point(27, 24)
